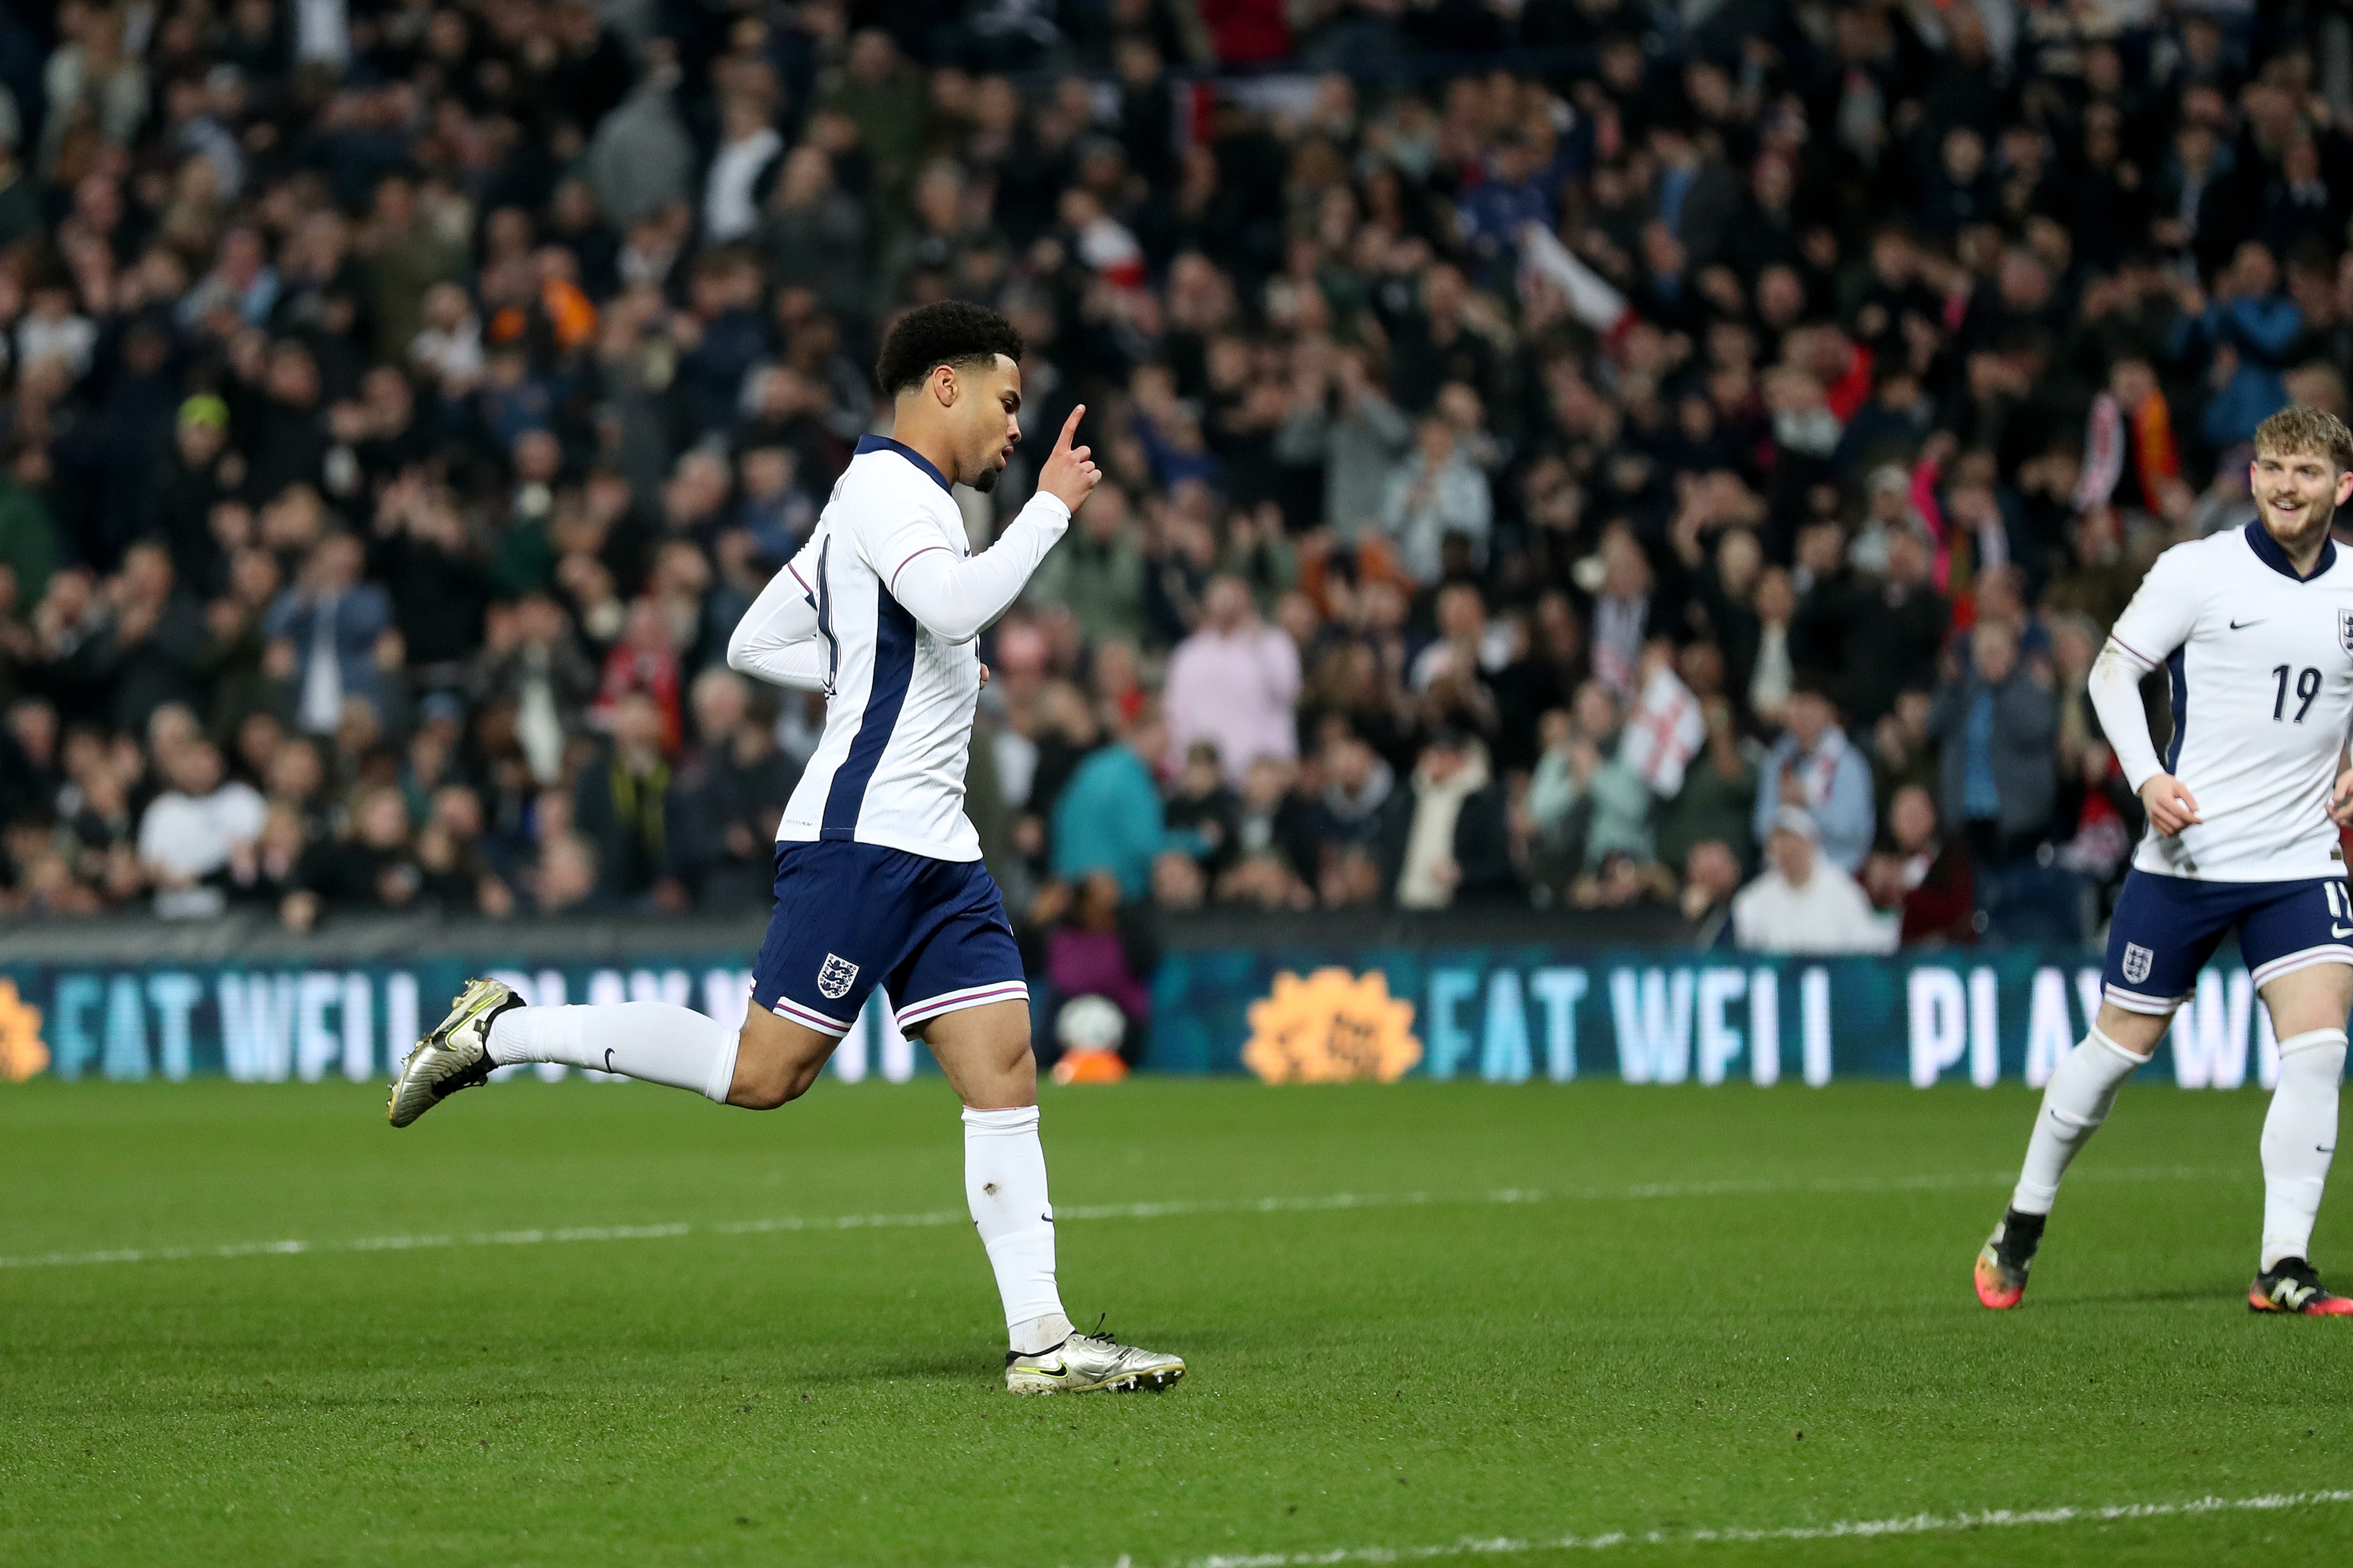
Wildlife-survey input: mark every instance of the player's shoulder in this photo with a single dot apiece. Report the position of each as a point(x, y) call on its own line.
point(2338, 570)
point(882, 461)
point(2229, 562)
point(885, 483)
point(2227, 551)
point(874, 472)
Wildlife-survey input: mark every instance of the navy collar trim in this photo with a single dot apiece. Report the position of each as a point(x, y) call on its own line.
point(2267, 551)
point(885, 444)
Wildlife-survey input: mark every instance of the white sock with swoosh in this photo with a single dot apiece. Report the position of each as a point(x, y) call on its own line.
point(2074, 1102)
point(1005, 1184)
point(651, 1040)
point(2299, 1137)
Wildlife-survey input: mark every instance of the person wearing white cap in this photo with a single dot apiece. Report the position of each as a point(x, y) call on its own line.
point(1806, 902)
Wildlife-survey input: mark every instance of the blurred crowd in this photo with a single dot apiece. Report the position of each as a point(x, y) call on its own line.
point(1571, 454)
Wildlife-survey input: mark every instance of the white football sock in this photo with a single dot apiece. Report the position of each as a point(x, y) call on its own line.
point(1005, 1183)
point(2299, 1135)
point(652, 1040)
point(2077, 1100)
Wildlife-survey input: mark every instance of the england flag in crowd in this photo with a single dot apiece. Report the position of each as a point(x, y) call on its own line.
point(1664, 732)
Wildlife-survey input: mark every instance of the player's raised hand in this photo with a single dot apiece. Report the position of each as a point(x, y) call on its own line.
point(1069, 475)
point(2172, 806)
point(2340, 804)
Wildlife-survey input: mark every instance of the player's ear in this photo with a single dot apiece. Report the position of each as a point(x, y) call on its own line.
point(943, 384)
point(2345, 488)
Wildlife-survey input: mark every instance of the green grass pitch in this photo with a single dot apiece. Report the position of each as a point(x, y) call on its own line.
point(1686, 1281)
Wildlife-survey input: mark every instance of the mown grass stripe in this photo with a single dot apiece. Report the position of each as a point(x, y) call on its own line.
point(1175, 1209)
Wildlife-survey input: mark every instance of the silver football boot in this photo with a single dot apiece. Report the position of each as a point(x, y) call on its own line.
point(455, 1056)
point(1085, 1362)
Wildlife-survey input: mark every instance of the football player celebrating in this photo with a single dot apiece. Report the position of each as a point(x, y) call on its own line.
point(879, 877)
point(2254, 631)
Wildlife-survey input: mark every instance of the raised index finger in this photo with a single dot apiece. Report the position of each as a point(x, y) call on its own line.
point(1070, 427)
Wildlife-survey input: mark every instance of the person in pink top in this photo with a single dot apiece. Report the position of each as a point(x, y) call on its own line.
point(1234, 684)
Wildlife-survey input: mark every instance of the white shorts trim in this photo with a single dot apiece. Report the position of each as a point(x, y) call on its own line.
point(793, 1012)
point(2289, 962)
point(931, 1008)
point(2133, 1002)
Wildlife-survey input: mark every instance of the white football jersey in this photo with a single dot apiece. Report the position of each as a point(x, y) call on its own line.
point(890, 767)
point(2260, 666)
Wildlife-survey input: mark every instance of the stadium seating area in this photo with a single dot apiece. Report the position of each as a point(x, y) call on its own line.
point(1547, 444)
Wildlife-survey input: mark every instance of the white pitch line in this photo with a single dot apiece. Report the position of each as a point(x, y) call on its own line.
point(1640, 1192)
point(1857, 1528)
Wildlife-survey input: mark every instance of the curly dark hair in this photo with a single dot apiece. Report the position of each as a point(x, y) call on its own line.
point(948, 332)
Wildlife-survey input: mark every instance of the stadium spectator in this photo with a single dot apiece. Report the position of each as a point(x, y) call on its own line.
point(565, 881)
point(1814, 767)
point(624, 808)
point(1200, 802)
point(731, 798)
point(1717, 794)
point(187, 832)
point(30, 545)
point(1435, 494)
point(1276, 857)
point(1339, 422)
point(1926, 878)
point(1098, 572)
point(1895, 630)
point(330, 634)
point(1711, 882)
point(1994, 725)
point(1098, 946)
point(1805, 901)
point(1454, 845)
point(1109, 817)
point(374, 868)
point(1359, 799)
point(1233, 683)
point(1585, 803)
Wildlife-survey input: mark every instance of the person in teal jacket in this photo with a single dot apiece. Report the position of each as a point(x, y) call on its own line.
point(1109, 817)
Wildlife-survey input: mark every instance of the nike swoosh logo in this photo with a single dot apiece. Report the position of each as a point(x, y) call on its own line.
point(1046, 1217)
point(2336, 930)
point(1061, 1370)
point(2243, 625)
point(608, 1058)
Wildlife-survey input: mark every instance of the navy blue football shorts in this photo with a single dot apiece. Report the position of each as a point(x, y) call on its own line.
point(2166, 928)
point(851, 916)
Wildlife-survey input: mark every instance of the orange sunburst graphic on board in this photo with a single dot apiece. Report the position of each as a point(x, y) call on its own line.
point(1331, 1027)
point(22, 1052)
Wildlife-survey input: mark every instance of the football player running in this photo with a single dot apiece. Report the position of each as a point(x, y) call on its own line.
point(879, 877)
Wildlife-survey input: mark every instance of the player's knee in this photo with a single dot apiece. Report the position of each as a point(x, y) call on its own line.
point(779, 1086)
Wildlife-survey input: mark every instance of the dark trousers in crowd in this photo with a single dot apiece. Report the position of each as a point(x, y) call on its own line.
point(2023, 894)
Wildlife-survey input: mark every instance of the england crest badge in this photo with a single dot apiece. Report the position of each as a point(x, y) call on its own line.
point(2137, 962)
point(2345, 629)
point(835, 975)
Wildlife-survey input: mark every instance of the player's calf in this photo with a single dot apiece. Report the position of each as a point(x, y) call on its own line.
point(490, 1027)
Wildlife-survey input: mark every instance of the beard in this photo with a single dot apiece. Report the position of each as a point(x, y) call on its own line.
point(987, 479)
point(2319, 519)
